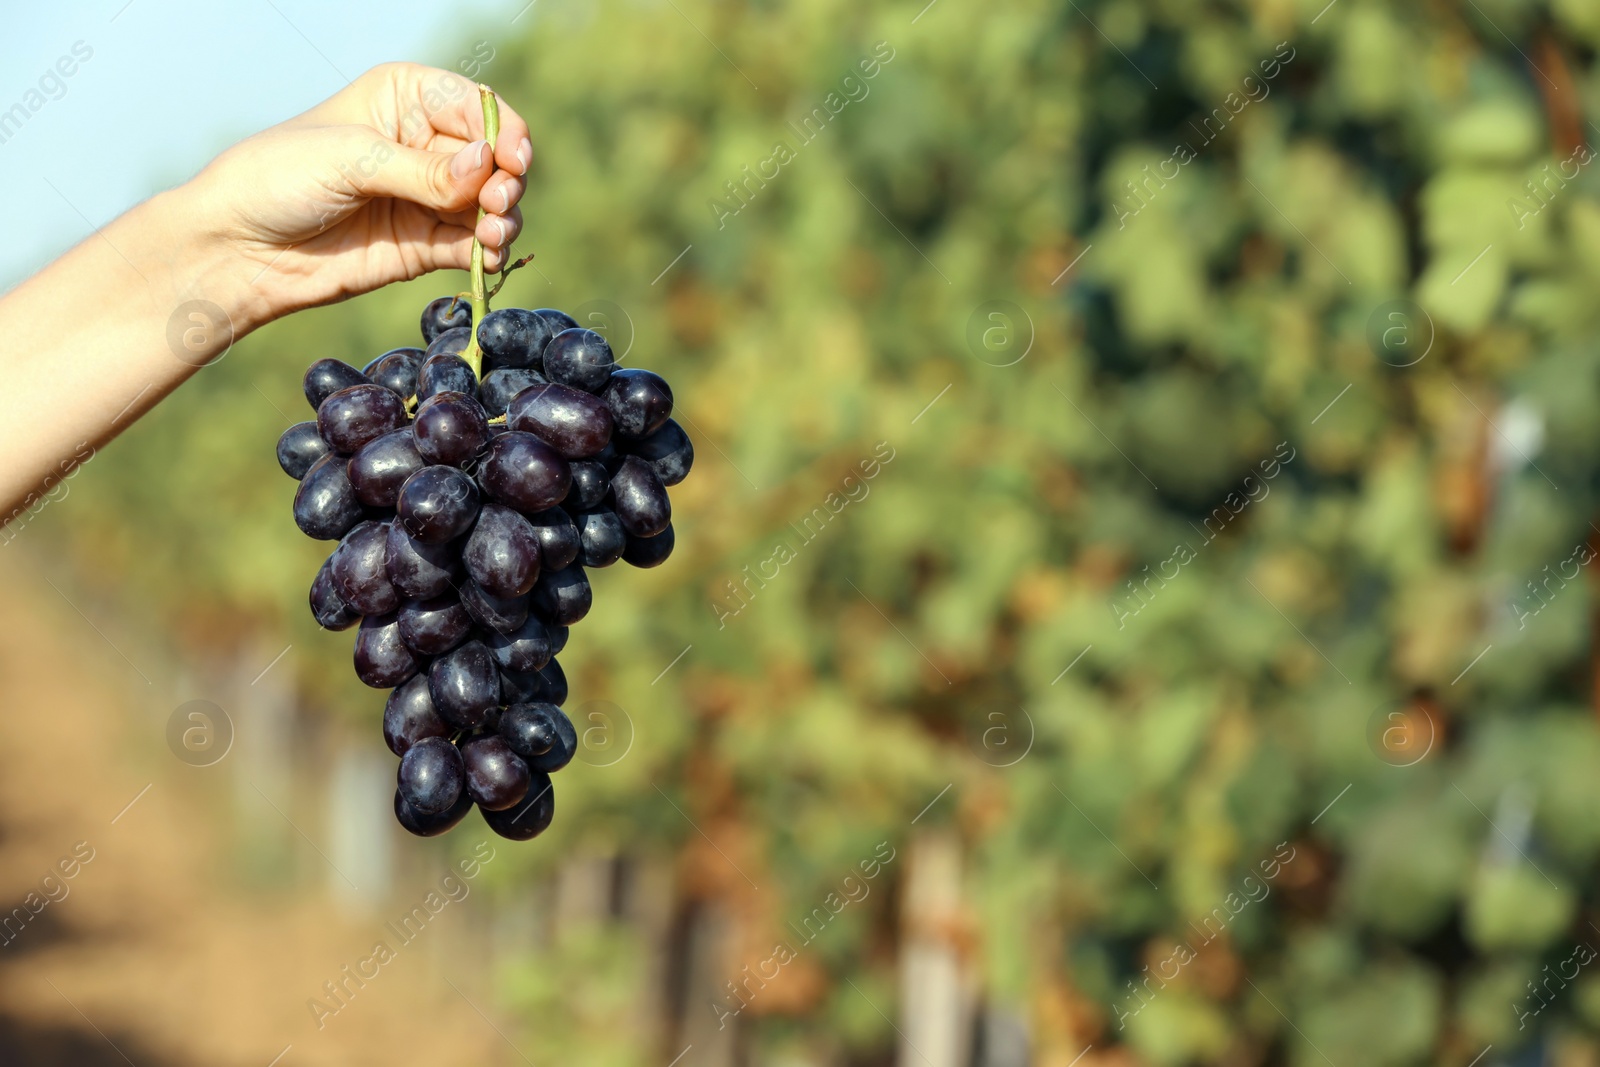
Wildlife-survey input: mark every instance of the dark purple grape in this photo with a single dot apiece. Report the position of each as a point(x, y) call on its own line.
point(602, 537)
point(559, 542)
point(533, 729)
point(529, 819)
point(527, 648)
point(649, 551)
point(351, 417)
point(521, 687)
point(562, 597)
point(299, 449)
point(326, 377)
point(446, 373)
point(325, 505)
point(521, 470)
point(433, 627)
point(327, 608)
point(431, 776)
point(570, 420)
point(496, 776)
point(397, 370)
point(408, 716)
point(500, 386)
point(438, 504)
point(640, 401)
point(382, 465)
point(558, 638)
point(668, 451)
point(359, 570)
point(590, 484)
point(639, 498)
point(553, 682)
point(579, 358)
point(537, 724)
point(502, 554)
point(452, 342)
point(445, 313)
point(382, 660)
point(419, 570)
point(450, 429)
point(514, 337)
point(430, 825)
point(464, 685)
point(558, 320)
point(500, 614)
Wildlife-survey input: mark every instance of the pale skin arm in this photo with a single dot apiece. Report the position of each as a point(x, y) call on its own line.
point(378, 184)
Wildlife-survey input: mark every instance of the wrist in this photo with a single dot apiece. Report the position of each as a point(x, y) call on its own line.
point(198, 283)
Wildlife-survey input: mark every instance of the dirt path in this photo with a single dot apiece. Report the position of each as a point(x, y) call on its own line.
point(153, 955)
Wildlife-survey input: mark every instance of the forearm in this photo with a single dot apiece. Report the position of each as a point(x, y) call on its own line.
point(101, 334)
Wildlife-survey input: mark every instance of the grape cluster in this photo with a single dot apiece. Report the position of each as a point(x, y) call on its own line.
point(466, 512)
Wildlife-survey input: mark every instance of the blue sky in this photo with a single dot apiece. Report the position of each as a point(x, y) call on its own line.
point(170, 83)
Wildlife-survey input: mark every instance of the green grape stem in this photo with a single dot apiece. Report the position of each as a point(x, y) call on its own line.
point(480, 296)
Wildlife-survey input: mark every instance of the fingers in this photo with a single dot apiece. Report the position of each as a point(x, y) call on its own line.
point(497, 232)
point(445, 182)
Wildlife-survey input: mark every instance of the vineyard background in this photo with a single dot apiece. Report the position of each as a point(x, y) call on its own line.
point(1183, 609)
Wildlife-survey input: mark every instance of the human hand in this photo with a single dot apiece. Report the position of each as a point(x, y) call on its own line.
point(378, 184)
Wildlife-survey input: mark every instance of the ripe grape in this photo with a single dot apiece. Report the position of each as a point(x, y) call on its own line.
point(501, 386)
point(590, 484)
point(445, 313)
point(359, 570)
point(446, 373)
point(450, 428)
point(430, 825)
point(452, 342)
point(525, 649)
point(521, 470)
point(640, 401)
point(531, 729)
point(500, 614)
point(602, 537)
point(330, 612)
point(553, 682)
point(579, 358)
point(529, 819)
point(558, 320)
point(639, 498)
point(496, 776)
point(562, 597)
point(325, 505)
point(431, 776)
point(573, 422)
point(420, 570)
point(355, 415)
point(464, 685)
point(382, 659)
point(438, 504)
point(559, 540)
point(502, 554)
point(434, 626)
point(408, 716)
point(299, 449)
point(381, 466)
point(396, 370)
point(514, 337)
point(668, 451)
point(649, 551)
point(326, 377)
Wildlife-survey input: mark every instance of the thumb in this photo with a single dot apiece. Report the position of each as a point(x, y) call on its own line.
point(444, 181)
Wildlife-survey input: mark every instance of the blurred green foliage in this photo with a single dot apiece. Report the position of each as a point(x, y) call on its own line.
point(1384, 161)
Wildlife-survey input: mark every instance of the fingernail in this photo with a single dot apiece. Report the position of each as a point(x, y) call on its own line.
point(468, 159)
point(502, 227)
point(505, 198)
point(524, 154)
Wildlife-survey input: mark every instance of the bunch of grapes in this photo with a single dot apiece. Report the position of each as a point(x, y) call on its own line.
point(467, 507)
